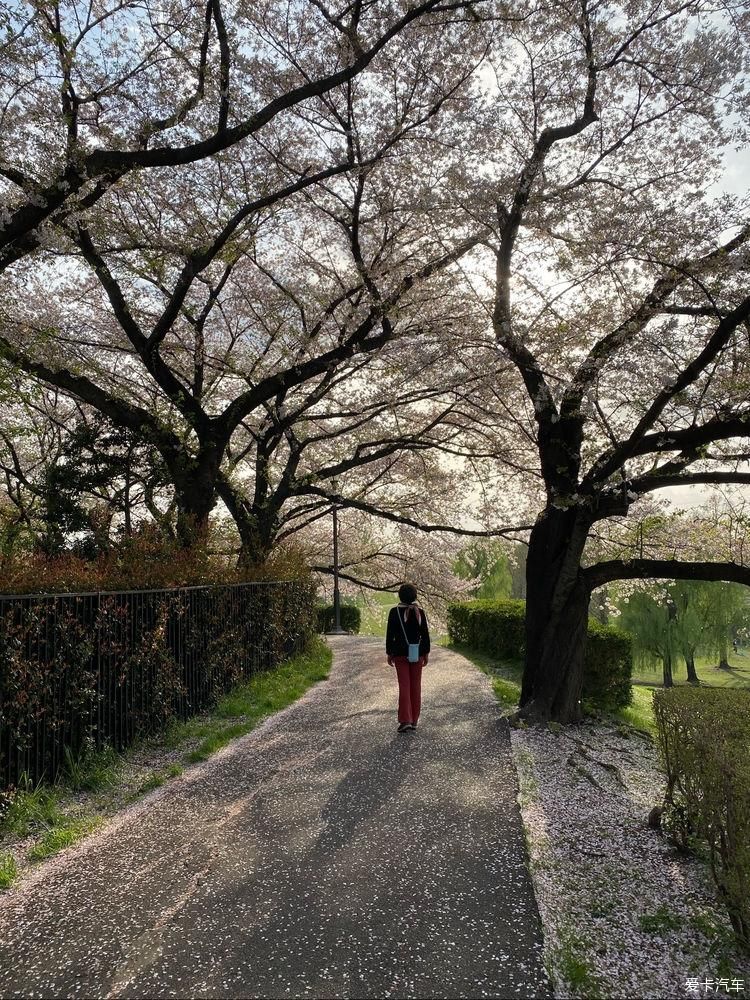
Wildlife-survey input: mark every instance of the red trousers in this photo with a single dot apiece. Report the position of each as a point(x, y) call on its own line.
point(409, 688)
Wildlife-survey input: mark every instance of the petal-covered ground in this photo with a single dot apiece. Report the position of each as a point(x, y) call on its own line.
point(322, 855)
point(624, 914)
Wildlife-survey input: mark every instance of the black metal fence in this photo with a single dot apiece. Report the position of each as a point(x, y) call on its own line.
point(114, 666)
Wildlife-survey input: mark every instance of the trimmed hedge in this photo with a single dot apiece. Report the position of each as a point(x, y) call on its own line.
point(351, 617)
point(499, 628)
point(607, 667)
point(491, 626)
point(704, 738)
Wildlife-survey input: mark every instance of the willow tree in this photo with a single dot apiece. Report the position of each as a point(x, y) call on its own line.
point(655, 626)
point(725, 608)
point(619, 291)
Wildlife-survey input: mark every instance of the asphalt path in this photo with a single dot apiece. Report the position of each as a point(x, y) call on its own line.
point(322, 855)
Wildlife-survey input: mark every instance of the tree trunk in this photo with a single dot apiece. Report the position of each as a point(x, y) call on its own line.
point(257, 532)
point(195, 491)
point(255, 548)
point(127, 507)
point(192, 522)
point(667, 672)
point(724, 655)
point(690, 664)
point(557, 603)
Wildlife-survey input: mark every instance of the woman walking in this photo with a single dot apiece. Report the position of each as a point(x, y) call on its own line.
point(407, 646)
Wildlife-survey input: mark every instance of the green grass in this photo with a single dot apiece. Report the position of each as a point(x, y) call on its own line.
point(603, 907)
point(528, 786)
point(34, 810)
point(8, 870)
point(374, 610)
point(574, 968)
point(31, 808)
point(640, 713)
point(63, 836)
point(91, 770)
point(240, 711)
point(505, 674)
point(153, 781)
point(156, 779)
point(660, 921)
point(708, 672)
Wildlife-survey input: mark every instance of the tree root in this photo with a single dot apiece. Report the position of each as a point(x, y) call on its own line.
point(612, 769)
point(584, 772)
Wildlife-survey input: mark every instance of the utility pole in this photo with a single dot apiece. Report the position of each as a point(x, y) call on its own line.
point(337, 629)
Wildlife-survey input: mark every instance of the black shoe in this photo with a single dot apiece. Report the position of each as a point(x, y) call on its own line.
point(403, 726)
point(412, 725)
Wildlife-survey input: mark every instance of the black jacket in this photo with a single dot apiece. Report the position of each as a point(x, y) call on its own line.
point(395, 644)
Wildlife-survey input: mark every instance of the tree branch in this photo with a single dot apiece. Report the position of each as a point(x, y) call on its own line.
point(652, 305)
point(111, 164)
point(664, 569)
point(655, 481)
point(387, 515)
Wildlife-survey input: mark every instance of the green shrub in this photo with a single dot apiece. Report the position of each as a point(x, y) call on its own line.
point(145, 561)
point(608, 667)
point(704, 739)
point(118, 666)
point(498, 627)
point(350, 617)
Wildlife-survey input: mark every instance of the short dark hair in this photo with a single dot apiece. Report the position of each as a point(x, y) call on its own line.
point(407, 593)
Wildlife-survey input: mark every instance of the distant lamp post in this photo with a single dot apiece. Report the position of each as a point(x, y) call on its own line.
point(337, 629)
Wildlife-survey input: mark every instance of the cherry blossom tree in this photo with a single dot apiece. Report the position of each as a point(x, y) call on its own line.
point(208, 307)
point(94, 92)
point(217, 233)
point(619, 291)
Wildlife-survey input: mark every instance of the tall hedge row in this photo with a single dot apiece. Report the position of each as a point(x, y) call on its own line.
point(498, 627)
point(110, 667)
point(704, 738)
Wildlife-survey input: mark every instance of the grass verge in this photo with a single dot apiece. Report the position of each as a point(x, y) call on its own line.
point(91, 770)
point(156, 779)
point(505, 674)
point(62, 836)
point(640, 712)
point(31, 808)
point(8, 870)
point(240, 711)
point(38, 821)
